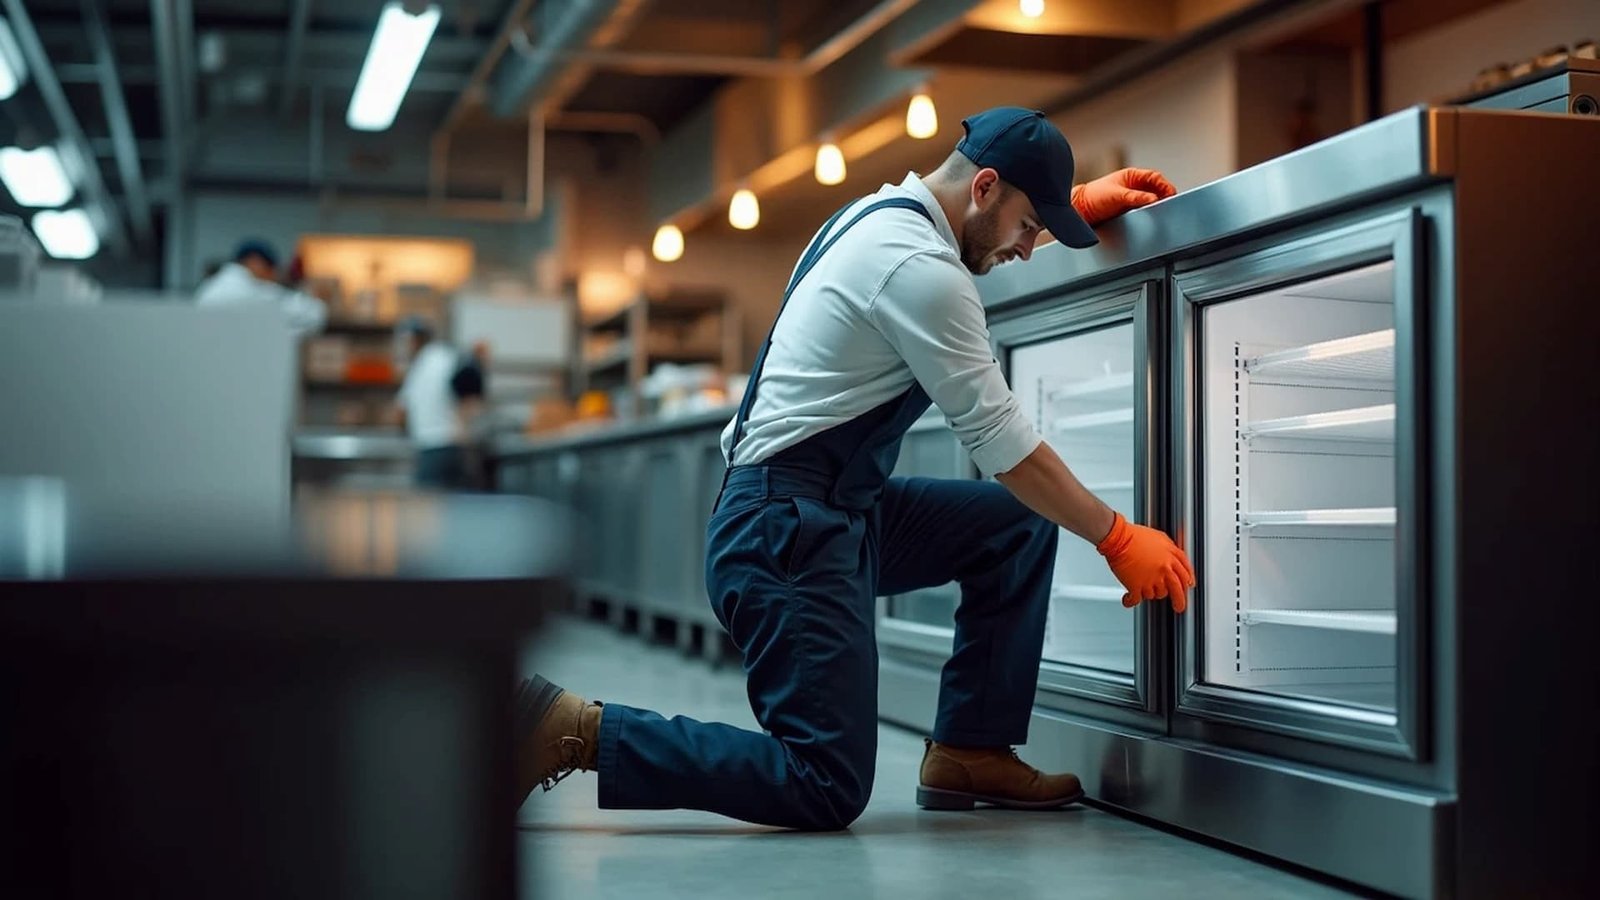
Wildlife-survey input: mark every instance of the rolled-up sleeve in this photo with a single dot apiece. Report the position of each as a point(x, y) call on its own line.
point(928, 309)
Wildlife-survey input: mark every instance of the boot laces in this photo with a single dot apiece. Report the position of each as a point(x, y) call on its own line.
point(569, 759)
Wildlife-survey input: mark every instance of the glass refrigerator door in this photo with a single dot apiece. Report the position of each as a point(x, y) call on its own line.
point(1081, 370)
point(1301, 412)
point(1078, 390)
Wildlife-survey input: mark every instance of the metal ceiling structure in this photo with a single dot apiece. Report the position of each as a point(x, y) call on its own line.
point(157, 98)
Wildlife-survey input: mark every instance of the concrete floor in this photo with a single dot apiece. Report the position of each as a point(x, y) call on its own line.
point(570, 849)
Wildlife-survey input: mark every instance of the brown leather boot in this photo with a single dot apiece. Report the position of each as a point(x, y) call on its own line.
point(558, 733)
point(955, 778)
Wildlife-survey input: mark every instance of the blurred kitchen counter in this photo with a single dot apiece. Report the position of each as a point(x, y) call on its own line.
point(586, 434)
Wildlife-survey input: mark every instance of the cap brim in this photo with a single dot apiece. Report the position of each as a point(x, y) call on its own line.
point(1066, 225)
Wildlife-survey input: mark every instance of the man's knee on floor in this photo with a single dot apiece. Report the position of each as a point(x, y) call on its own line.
point(828, 795)
point(831, 807)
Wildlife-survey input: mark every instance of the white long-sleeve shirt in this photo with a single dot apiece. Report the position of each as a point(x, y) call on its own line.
point(889, 305)
point(234, 284)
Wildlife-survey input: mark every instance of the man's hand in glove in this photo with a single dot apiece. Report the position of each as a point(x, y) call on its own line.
point(1112, 195)
point(1148, 564)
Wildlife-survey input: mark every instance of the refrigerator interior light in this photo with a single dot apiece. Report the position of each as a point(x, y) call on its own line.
point(392, 60)
point(66, 233)
point(13, 71)
point(35, 177)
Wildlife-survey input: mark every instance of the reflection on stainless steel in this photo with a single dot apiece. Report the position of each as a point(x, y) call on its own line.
point(33, 527)
point(1382, 157)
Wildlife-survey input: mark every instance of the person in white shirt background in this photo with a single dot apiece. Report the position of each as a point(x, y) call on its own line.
point(252, 278)
point(432, 407)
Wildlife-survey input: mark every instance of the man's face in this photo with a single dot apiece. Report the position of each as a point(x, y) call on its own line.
point(259, 267)
point(1001, 225)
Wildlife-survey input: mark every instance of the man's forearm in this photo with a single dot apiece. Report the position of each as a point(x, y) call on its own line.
point(1045, 485)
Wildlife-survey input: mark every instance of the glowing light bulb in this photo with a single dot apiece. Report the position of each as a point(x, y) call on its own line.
point(1033, 9)
point(922, 120)
point(668, 245)
point(744, 211)
point(830, 164)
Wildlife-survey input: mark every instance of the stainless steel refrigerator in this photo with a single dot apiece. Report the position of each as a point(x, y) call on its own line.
point(1358, 384)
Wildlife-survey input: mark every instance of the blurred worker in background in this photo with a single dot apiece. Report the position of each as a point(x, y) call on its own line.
point(439, 402)
point(252, 277)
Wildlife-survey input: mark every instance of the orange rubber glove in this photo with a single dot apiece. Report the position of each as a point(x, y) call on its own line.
point(1112, 195)
point(1148, 564)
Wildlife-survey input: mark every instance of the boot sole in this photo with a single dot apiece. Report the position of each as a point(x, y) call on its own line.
point(940, 799)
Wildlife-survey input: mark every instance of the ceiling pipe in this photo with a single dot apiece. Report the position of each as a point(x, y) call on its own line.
point(823, 55)
point(439, 144)
point(123, 141)
point(299, 19)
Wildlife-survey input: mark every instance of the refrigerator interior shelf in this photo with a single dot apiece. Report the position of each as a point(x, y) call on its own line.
point(1366, 621)
point(1380, 516)
point(1106, 384)
point(1364, 424)
point(1098, 487)
point(1092, 592)
point(1363, 357)
point(1093, 421)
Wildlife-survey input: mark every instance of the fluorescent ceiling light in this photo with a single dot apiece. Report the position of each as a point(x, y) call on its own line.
point(66, 233)
point(397, 48)
point(13, 71)
point(35, 177)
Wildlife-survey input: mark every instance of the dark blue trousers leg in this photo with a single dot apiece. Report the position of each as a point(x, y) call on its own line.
point(791, 579)
point(934, 531)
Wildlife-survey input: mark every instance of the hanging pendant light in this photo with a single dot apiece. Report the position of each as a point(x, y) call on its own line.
point(668, 245)
point(830, 164)
point(922, 120)
point(744, 211)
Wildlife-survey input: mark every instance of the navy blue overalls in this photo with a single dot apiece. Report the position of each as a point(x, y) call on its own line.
point(798, 548)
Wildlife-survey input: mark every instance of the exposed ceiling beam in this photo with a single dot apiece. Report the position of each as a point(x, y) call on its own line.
point(116, 109)
point(163, 25)
point(93, 186)
point(423, 82)
point(299, 17)
point(267, 44)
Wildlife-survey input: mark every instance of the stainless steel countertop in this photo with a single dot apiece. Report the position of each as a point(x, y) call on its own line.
point(573, 437)
point(1387, 156)
point(352, 445)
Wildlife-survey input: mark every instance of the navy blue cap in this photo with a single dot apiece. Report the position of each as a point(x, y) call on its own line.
point(256, 248)
point(1031, 155)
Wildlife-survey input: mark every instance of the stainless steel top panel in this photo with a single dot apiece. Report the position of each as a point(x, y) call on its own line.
point(1386, 156)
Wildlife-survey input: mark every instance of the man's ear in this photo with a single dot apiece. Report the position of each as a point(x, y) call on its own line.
point(985, 188)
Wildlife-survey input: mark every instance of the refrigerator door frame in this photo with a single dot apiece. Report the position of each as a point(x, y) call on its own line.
point(1135, 300)
point(1397, 235)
